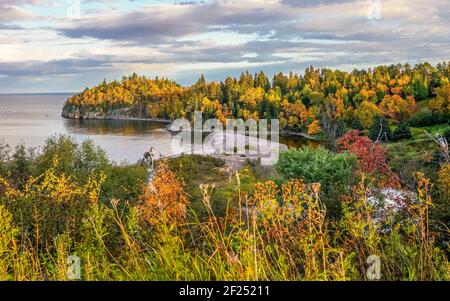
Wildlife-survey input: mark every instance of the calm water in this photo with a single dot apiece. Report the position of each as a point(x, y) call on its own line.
point(32, 118)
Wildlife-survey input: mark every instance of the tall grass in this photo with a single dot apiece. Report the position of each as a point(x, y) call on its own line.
point(273, 233)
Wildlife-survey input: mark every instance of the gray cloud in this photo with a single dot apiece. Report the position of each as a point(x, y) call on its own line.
point(160, 24)
point(281, 55)
point(54, 67)
point(280, 36)
point(306, 3)
point(288, 20)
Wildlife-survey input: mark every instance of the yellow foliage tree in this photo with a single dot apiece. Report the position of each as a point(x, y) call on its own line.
point(442, 101)
point(366, 113)
point(396, 107)
point(252, 97)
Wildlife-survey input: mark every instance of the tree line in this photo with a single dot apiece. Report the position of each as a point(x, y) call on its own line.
point(302, 103)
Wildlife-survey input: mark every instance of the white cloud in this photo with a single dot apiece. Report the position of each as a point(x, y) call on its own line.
point(219, 37)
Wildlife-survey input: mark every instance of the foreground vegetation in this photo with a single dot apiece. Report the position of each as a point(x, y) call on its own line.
point(318, 216)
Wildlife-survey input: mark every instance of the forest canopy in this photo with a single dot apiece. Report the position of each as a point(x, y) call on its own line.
point(298, 101)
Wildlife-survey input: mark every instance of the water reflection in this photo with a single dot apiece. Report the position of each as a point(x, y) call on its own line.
point(298, 141)
point(115, 127)
point(144, 128)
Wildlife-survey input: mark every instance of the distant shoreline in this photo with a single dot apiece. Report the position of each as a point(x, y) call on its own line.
point(38, 93)
point(124, 118)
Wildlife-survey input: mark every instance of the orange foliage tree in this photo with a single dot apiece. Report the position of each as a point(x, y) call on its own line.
point(314, 128)
point(164, 198)
point(396, 107)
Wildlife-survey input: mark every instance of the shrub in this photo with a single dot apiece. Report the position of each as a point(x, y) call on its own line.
point(333, 171)
point(441, 210)
point(372, 158)
point(446, 134)
point(403, 131)
point(50, 204)
point(124, 182)
point(425, 117)
point(79, 160)
point(275, 232)
point(8, 234)
point(164, 198)
point(22, 165)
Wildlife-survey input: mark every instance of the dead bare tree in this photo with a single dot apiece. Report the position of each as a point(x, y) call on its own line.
point(443, 146)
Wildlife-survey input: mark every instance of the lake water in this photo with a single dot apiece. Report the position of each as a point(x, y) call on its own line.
point(32, 118)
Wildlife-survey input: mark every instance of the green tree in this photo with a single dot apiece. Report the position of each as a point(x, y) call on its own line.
point(403, 131)
point(78, 160)
point(420, 88)
point(5, 151)
point(21, 165)
point(380, 130)
point(356, 125)
point(262, 81)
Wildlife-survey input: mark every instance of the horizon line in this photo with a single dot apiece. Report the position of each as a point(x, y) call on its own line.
point(34, 93)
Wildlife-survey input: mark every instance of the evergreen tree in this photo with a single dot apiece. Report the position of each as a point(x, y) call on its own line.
point(281, 81)
point(200, 85)
point(403, 131)
point(380, 130)
point(261, 81)
point(356, 125)
point(420, 87)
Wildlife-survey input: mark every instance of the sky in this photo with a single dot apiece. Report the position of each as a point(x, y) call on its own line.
point(67, 45)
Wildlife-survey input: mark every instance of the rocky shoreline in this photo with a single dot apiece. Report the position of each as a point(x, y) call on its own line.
point(116, 114)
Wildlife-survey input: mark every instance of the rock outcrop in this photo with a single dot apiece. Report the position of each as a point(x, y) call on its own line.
point(74, 112)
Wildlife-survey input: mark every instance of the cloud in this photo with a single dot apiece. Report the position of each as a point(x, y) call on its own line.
point(54, 67)
point(166, 22)
point(325, 20)
point(12, 11)
point(187, 38)
point(306, 3)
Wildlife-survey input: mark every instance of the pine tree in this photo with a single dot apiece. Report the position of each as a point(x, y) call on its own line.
point(403, 131)
point(262, 81)
point(420, 87)
point(380, 130)
point(356, 125)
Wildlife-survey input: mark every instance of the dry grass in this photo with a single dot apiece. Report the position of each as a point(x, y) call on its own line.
point(275, 233)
